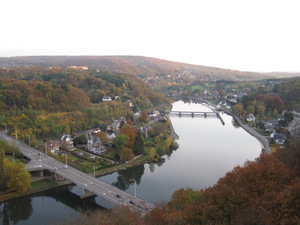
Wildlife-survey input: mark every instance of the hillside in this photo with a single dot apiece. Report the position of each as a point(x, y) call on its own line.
point(134, 65)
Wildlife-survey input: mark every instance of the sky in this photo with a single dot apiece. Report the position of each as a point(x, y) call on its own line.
point(247, 35)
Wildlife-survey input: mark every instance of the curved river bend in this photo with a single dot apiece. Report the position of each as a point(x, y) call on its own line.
point(207, 150)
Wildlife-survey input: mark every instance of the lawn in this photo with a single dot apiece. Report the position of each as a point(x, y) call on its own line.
point(42, 183)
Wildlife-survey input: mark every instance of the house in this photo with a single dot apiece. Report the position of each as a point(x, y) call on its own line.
point(250, 118)
point(68, 139)
point(136, 116)
point(94, 144)
point(111, 136)
point(154, 114)
point(145, 131)
point(106, 99)
point(279, 138)
point(53, 146)
point(271, 125)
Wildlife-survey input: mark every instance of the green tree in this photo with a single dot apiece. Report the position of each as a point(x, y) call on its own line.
point(139, 147)
point(81, 139)
point(250, 109)
point(119, 141)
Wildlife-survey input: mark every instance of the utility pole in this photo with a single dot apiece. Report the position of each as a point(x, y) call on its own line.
point(46, 148)
point(66, 166)
point(94, 170)
point(29, 140)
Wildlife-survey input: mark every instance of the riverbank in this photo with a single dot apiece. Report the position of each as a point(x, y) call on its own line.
point(262, 139)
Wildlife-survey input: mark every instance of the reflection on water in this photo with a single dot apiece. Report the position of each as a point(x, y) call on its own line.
point(207, 150)
point(129, 176)
point(45, 207)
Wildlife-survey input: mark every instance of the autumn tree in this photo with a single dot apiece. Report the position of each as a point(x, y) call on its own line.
point(238, 109)
point(18, 178)
point(103, 137)
point(127, 154)
point(144, 116)
point(131, 133)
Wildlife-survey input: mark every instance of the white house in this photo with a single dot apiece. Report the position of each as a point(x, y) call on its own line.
point(106, 99)
point(250, 117)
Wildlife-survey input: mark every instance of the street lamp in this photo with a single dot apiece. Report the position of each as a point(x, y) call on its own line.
point(66, 166)
point(94, 170)
point(134, 186)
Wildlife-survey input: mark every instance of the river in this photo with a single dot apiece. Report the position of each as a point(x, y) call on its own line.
point(207, 150)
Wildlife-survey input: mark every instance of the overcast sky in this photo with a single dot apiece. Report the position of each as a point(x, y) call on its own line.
point(254, 35)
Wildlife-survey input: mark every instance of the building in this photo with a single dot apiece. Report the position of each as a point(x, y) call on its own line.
point(67, 138)
point(250, 118)
point(106, 99)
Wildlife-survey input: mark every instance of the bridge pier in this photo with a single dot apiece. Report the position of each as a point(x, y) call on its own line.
point(205, 115)
point(41, 173)
point(86, 194)
point(179, 114)
point(192, 114)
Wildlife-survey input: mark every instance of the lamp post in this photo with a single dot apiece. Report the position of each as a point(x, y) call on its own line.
point(94, 170)
point(66, 166)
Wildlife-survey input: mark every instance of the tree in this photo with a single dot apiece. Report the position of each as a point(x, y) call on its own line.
point(81, 139)
point(144, 116)
point(250, 109)
point(261, 111)
point(119, 141)
point(131, 133)
point(18, 178)
point(275, 113)
point(152, 153)
point(139, 145)
point(238, 109)
point(103, 137)
point(64, 145)
point(127, 154)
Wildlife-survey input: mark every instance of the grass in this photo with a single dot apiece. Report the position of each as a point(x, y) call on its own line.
point(42, 183)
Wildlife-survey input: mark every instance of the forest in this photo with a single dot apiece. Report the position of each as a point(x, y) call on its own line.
point(45, 102)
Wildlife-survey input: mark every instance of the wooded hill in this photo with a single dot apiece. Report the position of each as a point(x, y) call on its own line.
point(47, 102)
point(134, 65)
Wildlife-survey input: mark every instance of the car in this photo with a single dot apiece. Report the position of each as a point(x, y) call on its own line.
point(55, 168)
point(118, 196)
point(131, 202)
point(65, 166)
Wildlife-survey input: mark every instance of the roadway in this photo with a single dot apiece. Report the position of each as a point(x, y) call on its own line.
point(87, 182)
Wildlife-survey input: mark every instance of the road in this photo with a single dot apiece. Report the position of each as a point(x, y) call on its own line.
point(87, 182)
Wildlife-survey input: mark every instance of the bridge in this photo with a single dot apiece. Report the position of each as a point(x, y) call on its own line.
point(89, 184)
